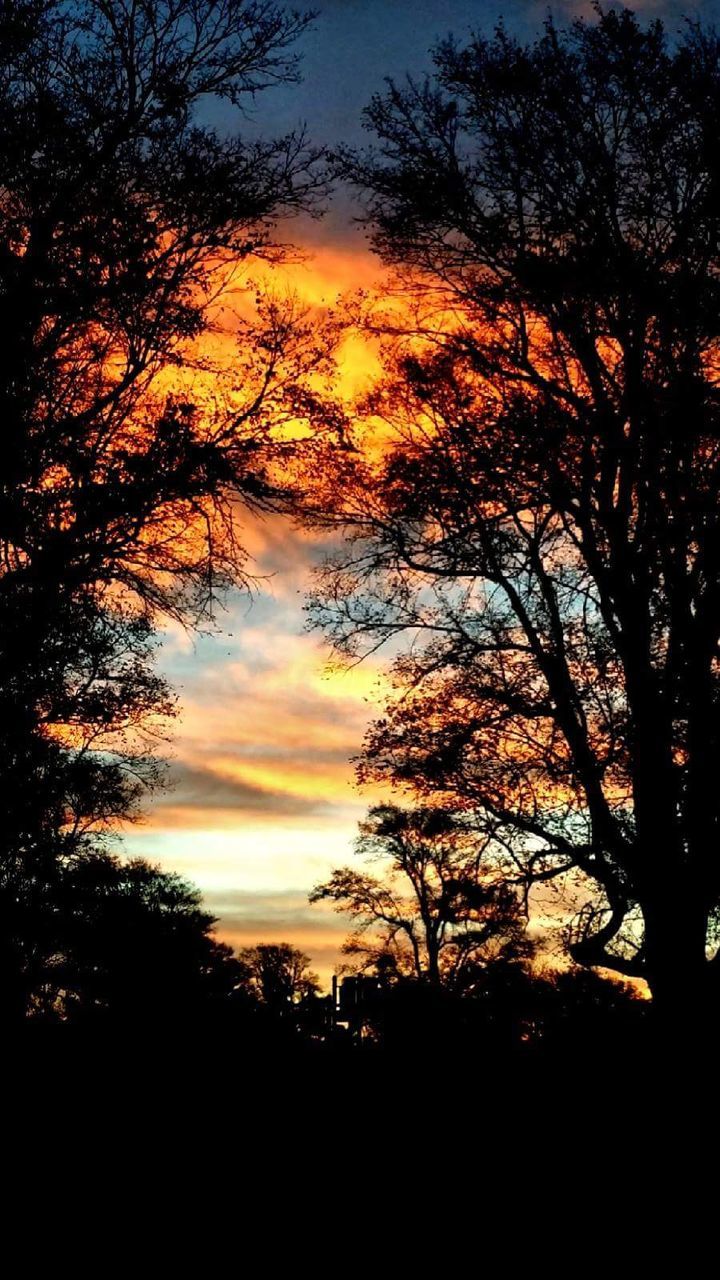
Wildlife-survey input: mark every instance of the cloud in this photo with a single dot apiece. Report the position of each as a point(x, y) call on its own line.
point(199, 788)
point(275, 910)
point(263, 715)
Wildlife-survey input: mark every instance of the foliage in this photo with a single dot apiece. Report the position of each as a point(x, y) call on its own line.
point(278, 974)
point(114, 943)
point(437, 913)
point(123, 215)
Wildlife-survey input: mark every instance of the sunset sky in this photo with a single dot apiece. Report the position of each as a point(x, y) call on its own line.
point(264, 803)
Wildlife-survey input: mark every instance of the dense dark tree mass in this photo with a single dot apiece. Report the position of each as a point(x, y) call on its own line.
point(123, 943)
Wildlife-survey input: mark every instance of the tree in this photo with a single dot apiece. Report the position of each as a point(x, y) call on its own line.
point(545, 520)
point(122, 215)
point(577, 1009)
point(436, 914)
point(278, 975)
point(123, 943)
point(81, 757)
point(121, 210)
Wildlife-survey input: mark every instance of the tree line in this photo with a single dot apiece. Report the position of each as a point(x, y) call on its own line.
point(539, 534)
point(125, 953)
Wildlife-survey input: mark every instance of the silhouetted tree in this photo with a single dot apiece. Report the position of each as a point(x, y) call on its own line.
point(279, 975)
point(77, 758)
point(545, 520)
point(121, 943)
point(122, 214)
point(436, 913)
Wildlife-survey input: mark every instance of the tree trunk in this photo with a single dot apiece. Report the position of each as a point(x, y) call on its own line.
point(684, 1010)
point(433, 957)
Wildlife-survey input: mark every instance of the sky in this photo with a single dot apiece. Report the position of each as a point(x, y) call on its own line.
point(264, 803)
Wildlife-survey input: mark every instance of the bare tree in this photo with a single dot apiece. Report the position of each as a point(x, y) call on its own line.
point(437, 911)
point(545, 522)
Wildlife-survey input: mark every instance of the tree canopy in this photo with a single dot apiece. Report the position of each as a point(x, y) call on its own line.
point(121, 211)
point(279, 975)
point(116, 943)
point(436, 912)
